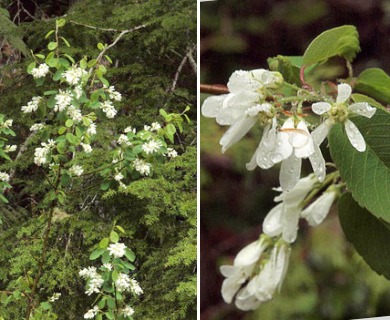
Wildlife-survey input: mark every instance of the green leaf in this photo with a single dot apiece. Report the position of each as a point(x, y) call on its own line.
point(102, 303)
point(108, 58)
point(110, 304)
point(104, 243)
point(105, 185)
point(45, 305)
point(115, 275)
point(60, 23)
point(99, 316)
point(96, 254)
point(341, 41)
point(120, 229)
point(69, 123)
point(69, 57)
point(130, 254)
point(62, 130)
point(72, 138)
point(4, 199)
point(52, 45)
point(91, 63)
point(368, 234)
point(65, 41)
point(100, 46)
point(49, 33)
point(31, 66)
point(163, 113)
point(375, 83)
point(367, 174)
point(114, 237)
point(171, 129)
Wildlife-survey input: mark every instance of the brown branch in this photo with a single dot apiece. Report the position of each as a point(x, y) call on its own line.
point(214, 89)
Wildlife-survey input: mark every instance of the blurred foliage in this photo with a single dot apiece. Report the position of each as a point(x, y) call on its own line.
point(158, 213)
point(326, 278)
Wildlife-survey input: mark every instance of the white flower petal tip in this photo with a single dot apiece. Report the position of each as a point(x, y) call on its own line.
point(343, 92)
point(317, 211)
point(321, 107)
point(321, 132)
point(354, 136)
point(363, 109)
point(272, 224)
point(212, 105)
point(290, 171)
point(318, 163)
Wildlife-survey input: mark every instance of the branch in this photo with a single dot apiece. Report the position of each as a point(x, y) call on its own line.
point(213, 88)
point(192, 63)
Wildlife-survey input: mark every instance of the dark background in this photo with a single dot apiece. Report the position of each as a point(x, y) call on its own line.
point(326, 278)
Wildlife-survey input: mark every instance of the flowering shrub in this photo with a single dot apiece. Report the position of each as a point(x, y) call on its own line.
point(297, 113)
point(67, 119)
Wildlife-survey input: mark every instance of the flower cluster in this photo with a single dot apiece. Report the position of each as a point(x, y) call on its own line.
point(40, 71)
point(94, 280)
point(41, 154)
point(252, 99)
point(32, 105)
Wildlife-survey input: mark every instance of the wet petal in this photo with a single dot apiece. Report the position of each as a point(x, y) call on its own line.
point(212, 105)
point(303, 143)
point(272, 224)
point(363, 109)
point(318, 163)
point(283, 148)
point(228, 271)
point(249, 303)
point(229, 288)
point(317, 211)
point(236, 132)
point(290, 172)
point(354, 136)
point(239, 81)
point(321, 107)
point(344, 92)
point(249, 254)
point(321, 132)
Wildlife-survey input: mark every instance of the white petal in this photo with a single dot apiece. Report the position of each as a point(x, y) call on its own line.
point(283, 148)
point(290, 224)
point(288, 124)
point(250, 303)
point(344, 91)
point(321, 107)
point(304, 145)
point(272, 224)
point(249, 254)
point(240, 81)
point(212, 105)
point(317, 211)
point(318, 163)
point(228, 271)
point(299, 137)
point(262, 150)
point(363, 109)
point(236, 132)
point(295, 196)
point(320, 133)
point(290, 172)
point(229, 288)
point(354, 136)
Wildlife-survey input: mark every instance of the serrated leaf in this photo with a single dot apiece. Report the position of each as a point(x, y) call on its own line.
point(375, 83)
point(367, 234)
point(341, 41)
point(367, 174)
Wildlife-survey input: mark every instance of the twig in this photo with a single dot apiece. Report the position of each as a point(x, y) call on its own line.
point(188, 56)
point(95, 28)
point(214, 88)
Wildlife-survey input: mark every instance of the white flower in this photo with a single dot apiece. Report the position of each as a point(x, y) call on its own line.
point(37, 127)
point(151, 146)
point(142, 167)
point(73, 75)
point(117, 249)
point(75, 114)
point(135, 287)
point(147, 128)
point(128, 311)
point(89, 272)
point(95, 280)
point(108, 266)
point(8, 123)
point(155, 126)
point(91, 129)
point(91, 313)
point(240, 108)
point(123, 283)
point(108, 109)
point(78, 91)
point(283, 219)
point(86, 147)
point(76, 170)
point(130, 129)
point(119, 176)
point(41, 71)
point(114, 95)
point(263, 286)
point(55, 297)
point(32, 105)
point(40, 154)
point(4, 176)
point(123, 140)
point(172, 153)
point(9, 148)
point(317, 211)
point(242, 268)
point(339, 111)
point(63, 100)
